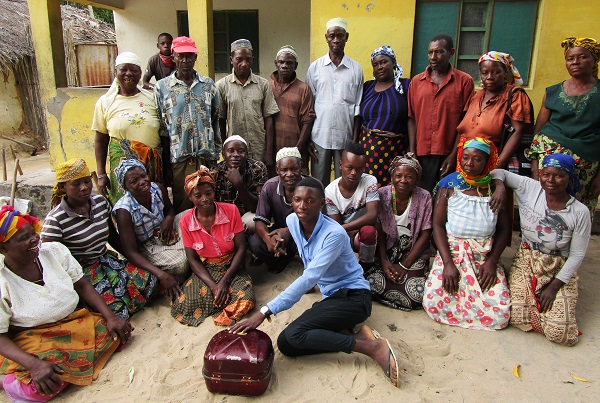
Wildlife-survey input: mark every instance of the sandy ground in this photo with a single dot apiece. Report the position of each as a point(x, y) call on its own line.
point(438, 362)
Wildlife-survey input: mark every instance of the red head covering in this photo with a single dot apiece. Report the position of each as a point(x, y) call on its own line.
point(202, 175)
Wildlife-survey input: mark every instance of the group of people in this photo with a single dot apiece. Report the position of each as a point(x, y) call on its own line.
point(414, 161)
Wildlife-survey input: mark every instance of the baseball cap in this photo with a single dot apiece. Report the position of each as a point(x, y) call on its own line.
point(183, 44)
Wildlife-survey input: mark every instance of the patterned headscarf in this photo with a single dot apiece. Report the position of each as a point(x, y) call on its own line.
point(589, 43)
point(67, 171)
point(567, 164)
point(125, 166)
point(202, 175)
point(11, 221)
point(408, 160)
point(507, 60)
point(398, 72)
point(460, 180)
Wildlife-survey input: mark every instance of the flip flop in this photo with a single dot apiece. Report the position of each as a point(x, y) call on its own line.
point(375, 333)
point(391, 354)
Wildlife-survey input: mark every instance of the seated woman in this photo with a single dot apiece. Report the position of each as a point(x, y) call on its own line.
point(488, 110)
point(404, 228)
point(46, 343)
point(81, 221)
point(145, 220)
point(215, 245)
point(555, 231)
point(466, 286)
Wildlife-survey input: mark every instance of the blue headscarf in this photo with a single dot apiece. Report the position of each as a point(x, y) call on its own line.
point(389, 52)
point(124, 166)
point(567, 164)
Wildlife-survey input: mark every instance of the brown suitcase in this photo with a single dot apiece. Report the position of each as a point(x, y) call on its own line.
point(238, 364)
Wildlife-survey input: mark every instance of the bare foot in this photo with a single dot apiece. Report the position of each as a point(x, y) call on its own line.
point(384, 356)
point(365, 333)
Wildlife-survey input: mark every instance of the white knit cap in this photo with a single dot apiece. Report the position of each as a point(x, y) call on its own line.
point(235, 137)
point(128, 58)
point(337, 22)
point(287, 152)
point(287, 49)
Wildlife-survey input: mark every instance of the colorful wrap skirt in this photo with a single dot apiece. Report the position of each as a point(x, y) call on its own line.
point(543, 145)
point(124, 287)
point(407, 294)
point(65, 343)
point(131, 149)
point(471, 307)
point(381, 148)
point(530, 272)
point(197, 300)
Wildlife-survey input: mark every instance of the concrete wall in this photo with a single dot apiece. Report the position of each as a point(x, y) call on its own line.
point(10, 105)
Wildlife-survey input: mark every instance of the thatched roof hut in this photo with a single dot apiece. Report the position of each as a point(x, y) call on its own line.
point(14, 26)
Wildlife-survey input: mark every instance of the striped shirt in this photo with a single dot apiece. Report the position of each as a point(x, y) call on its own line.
point(385, 110)
point(85, 237)
point(145, 223)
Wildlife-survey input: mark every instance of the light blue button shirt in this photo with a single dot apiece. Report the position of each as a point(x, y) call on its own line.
point(329, 262)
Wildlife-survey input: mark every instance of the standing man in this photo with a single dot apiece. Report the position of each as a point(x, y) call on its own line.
point(295, 101)
point(337, 85)
point(436, 101)
point(187, 105)
point(329, 263)
point(161, 64)
point(248, 105)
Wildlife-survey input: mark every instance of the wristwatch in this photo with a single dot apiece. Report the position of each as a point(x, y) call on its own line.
point(266, 312)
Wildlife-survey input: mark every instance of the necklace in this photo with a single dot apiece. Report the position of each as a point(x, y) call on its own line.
point(39, 267)
point(394, 209)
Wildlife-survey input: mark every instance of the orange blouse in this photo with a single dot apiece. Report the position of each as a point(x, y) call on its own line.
point(489, 122)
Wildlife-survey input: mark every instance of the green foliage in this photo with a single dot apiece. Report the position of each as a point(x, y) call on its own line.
point(103, 14)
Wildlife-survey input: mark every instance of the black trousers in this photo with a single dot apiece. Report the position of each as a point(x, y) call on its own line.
point(317, 329)
point(274, 264)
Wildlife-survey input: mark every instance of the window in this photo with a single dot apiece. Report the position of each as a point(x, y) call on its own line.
point(228, 25)
point(477, 26)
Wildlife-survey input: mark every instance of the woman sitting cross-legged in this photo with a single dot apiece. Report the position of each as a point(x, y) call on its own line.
point(148, 228)
point(398, 275)
point(556, 231)
point(46, 343)
point(215, 244)
point(466, 286)
point(81, 221)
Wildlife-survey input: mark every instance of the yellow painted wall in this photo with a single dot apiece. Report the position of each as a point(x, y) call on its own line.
point(370, 25)
point(10, 104)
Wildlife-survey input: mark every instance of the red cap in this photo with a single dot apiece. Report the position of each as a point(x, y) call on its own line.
point(183, 44)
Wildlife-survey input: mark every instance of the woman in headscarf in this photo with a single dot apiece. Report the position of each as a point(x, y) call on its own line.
point(148, 228)
point(215, 245)
point(404, 228)
point(569, 119)
point(466, 286)
point(487, 113)
point(46, 343)
point(555, 230)
point(81, 221)
point(126, 126)
point(384, 114)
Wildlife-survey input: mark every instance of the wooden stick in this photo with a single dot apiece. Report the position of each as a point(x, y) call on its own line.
point(14, 155)
point(4, 178)
point(13, 190)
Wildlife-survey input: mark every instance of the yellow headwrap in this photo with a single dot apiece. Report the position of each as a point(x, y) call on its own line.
point(67, 171)
point(588, 43)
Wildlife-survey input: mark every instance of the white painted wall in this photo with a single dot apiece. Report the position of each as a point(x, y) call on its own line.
point(10, 105)
point(281, 22)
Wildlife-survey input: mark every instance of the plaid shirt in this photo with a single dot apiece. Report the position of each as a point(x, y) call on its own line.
point(254, 175)
point(145, 223)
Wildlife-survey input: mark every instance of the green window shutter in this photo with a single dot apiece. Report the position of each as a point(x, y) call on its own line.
point(244, 24)
point(432, 18)
point(513, 27)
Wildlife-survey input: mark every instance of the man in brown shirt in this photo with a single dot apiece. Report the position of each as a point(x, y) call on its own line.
point(160, 65)
point(294, 98)
point(436, 101)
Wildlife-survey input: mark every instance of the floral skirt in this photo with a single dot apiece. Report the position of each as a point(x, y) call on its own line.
point(124, 287)
point(407, 294)
point(586, 171)
point(197, 300)
point(533, 268)
point(471, 307)
point(380, 151)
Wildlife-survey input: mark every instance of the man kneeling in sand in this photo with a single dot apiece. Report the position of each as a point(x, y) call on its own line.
point(329, 263)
